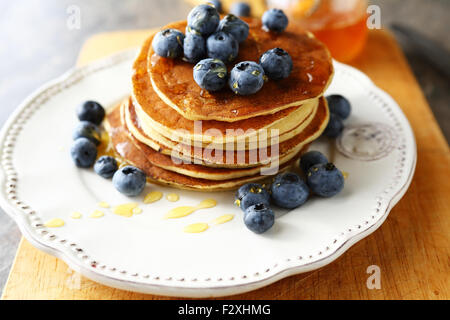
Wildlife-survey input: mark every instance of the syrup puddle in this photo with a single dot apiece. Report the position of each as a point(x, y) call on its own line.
point(54, 223)
point(202, 227)
point(223, 219)
point(173, 197)
point(153, 197)
point(126, 210)
point(196, 228)
point(97, 214)
point(103, 205)
point(75, 215)
point(184, 211)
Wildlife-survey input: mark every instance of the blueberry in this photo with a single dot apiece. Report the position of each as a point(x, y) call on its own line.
point(339, 105)
point(168, 43)
point(83, 153)
point(325, 180)
point(222, 46)
point(217, 4)
point(251, 194)
point(311, 158)
point(289, 191)
point(234, 26)
point(247, 77)
point(210, 74)
point(240, 9)
point(259, 218)
point(87, 130)
point(277, 63)
point(194, 47)
point(105, 166)
point(204, 19)
point(334, 127)
point(275, 20)
point(91, 111)
point(129, 180)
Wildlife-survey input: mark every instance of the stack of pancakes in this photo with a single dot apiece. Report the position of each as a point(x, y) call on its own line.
point(186, 137)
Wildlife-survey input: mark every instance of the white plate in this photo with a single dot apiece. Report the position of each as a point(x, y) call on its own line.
point(148, 254)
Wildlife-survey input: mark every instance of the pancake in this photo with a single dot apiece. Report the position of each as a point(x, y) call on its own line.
point(244, 142)
point(155, 114)
point(166, 147)
point(172, 79)
point(131, 154)
point(192, 170)
point(237, 159)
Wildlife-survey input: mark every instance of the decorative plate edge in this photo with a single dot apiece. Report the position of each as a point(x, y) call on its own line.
point(211, 288)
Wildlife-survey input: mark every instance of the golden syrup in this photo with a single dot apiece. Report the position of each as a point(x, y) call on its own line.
point(173, 197)
point(184, 211)
point(196, 228)
point(97, 214)
point(223, 219)
point(103, 205)
point(54, 223)
point(75, 215)
point(105, 148)
point(342, 29)
point(153, 197)
point(208, 203)
point(180, 212)
point(125, 210)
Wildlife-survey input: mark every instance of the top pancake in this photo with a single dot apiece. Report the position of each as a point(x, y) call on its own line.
point(172, 79)
point(162, 118)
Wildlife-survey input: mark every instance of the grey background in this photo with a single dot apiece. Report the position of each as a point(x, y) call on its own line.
point(36, 46)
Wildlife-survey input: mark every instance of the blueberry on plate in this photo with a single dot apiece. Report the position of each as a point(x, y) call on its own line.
point(325, 180)
point(275, 20)
point(210, 74)
point(168, 43)
point(234, 26)
point(194, 47)
point(334, 127)
point(87, 130)
point(311, 158)
point(204, 19)
point(259, 218)
point(251, 194)
point(129, 180)
point(247, 77)
point(105, 166)
point(339, 105)
point(277, 63)
point(83, 153)
point(217, 4)
point(240, 9)
point(91, 111)
point(289, 191)
point(222, 46)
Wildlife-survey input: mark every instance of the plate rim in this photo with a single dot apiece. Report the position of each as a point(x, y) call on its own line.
point(19, 214)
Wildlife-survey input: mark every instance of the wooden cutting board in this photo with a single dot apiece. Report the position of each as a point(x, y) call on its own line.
point(412, 248)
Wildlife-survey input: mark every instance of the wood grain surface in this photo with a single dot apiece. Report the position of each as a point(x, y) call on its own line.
point(412, 248)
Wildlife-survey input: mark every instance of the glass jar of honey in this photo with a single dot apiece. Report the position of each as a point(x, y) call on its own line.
point(340, 24)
